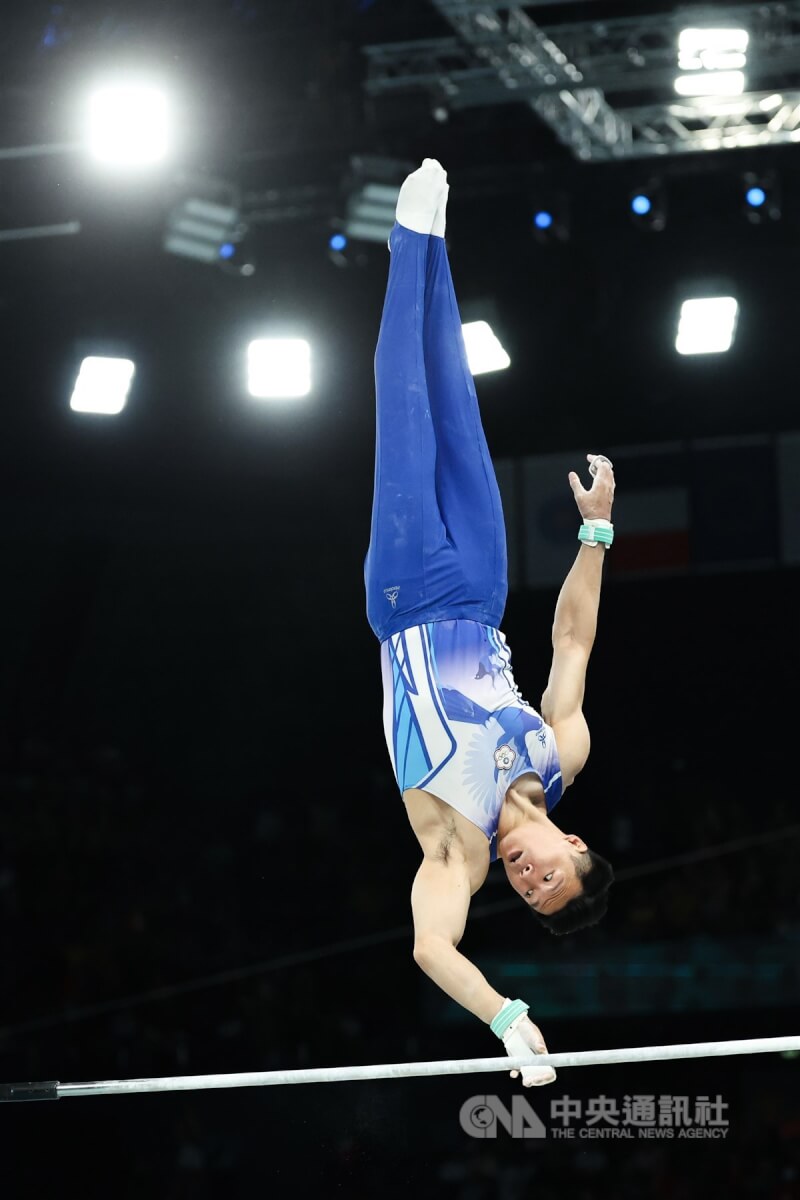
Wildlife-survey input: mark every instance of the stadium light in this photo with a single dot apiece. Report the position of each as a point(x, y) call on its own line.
point(346, 252)
point(716, 59)
point(371, 212)
point(102, 385)
point(484, 350)
point(550, 217)
point(707, 325)
point(372, 185)
point(201, 229)
point(711, 83)
point(279, 368)
point(712, 49)
point(761, 197)
point(129, 124)
point(647, 206)
point(205, 223)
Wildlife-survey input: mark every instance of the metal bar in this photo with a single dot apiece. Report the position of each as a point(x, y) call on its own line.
point(39, 231)
point(464, 1066)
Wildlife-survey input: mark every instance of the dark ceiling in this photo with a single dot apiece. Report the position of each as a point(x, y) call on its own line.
point(272, 97)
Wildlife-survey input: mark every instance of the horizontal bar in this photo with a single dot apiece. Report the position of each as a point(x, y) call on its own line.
point(463, 1066)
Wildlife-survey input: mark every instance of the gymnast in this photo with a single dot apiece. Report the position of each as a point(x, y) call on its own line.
point(480, 771)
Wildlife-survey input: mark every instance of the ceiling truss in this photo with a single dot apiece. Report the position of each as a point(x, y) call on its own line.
point(593, 83)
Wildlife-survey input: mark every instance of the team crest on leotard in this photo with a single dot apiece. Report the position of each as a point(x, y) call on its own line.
point(504, 758)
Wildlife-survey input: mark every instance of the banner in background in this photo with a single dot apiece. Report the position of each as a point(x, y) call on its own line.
point(548, 519)
point(651, 510)
point(706, 505)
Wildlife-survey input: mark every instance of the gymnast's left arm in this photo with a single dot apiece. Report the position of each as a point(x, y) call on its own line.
point(575, 627)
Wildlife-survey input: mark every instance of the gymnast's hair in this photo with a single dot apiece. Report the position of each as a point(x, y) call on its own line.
point(597, 875)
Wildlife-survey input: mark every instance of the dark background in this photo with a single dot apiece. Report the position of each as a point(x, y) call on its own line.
point(204, 863)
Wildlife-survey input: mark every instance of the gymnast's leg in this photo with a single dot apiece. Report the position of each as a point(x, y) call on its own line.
point(437, 543)
point(406, 530)
point(466, 485)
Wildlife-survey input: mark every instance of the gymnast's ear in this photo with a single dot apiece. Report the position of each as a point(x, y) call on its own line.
point(590, 906)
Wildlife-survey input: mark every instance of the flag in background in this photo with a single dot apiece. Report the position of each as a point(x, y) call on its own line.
point(651, 510)
point(705, 505)
point(548, 521)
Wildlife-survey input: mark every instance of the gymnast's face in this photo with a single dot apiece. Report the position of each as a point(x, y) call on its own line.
point(542, 866)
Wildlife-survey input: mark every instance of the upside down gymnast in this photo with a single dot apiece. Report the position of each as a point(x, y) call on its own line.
point(480, 771)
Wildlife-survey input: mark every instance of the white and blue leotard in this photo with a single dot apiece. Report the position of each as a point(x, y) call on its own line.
point(455, 723)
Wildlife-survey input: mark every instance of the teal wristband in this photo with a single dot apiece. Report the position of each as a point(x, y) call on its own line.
point(507, 1015)
point(593, 532)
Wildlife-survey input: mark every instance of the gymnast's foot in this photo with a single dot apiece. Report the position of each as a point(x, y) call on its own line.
point(422, 199)
point(440, 219)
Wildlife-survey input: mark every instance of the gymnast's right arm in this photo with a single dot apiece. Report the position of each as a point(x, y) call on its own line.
point(440, 899)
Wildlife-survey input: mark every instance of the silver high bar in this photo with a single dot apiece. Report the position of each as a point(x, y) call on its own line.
point(53, 1090)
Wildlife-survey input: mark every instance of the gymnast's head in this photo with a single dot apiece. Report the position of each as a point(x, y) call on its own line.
point(563, 882)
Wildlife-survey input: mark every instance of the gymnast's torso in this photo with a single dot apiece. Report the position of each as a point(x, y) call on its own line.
point(458, 729)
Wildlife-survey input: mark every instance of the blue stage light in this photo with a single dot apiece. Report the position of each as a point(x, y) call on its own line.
point(755, 197)
point(338, 242)
point(647, 205)
point(543, 220)
point(227, 250)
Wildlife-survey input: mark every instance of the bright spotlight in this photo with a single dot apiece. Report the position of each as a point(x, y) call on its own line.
point(711, 83)
point(641, 205)
point(128, 125)
point(712, 49)
point(707, 325)
point(279, 368)
point(484, 351)
point(102, 385)
point(543, 220)
point(755, 197)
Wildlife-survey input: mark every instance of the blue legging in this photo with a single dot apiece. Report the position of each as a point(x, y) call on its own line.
point(437, 543)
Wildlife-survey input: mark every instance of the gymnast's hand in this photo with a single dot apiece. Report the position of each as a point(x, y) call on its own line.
point(519, 1039)
point(595, 504)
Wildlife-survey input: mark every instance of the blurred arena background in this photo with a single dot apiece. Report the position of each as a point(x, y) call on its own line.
point(204, 863)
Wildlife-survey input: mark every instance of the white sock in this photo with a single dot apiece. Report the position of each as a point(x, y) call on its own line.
point(420, 197)
point(441, 214)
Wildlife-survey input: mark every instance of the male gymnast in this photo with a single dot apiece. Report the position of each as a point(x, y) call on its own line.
point(479, 770)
